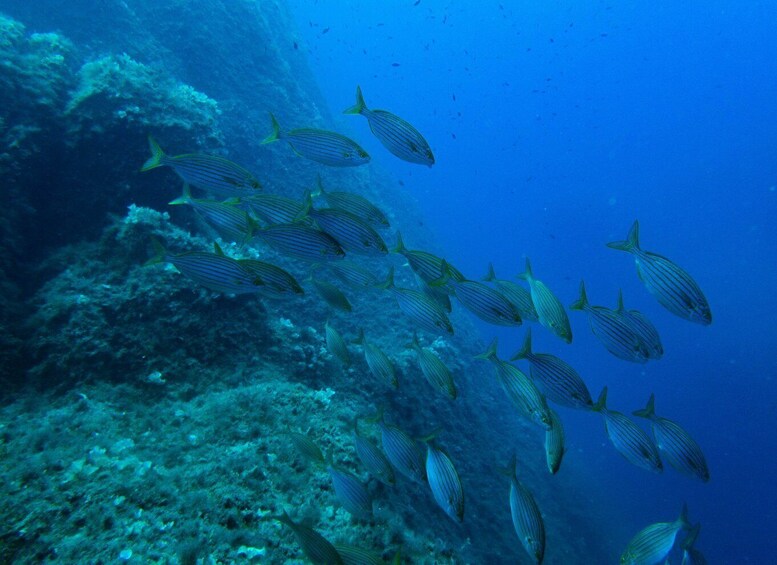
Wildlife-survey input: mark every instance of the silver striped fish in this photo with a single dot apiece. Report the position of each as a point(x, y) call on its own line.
point(558, 380)
point(336, 345)
point(352, 555)
point(351, 233)
point(306, 446)
point(439, 295)
point(444, 482)
point(549, 309)
point(515, 293)
point(674, 288)
point(277, 283)
point(425, 265)
point(211, 270)
point(315, 546)
point(379, 363)
point(554, 443)
point(373, 459)
point(434, 370)
point(677, 445)
point(401, 450)
point(521, 391)
point(325, 147)
point(350, 491)
point(691, 555)
point(612, 330)
point(628, 438)
point(273, 208)
point(301, 242)
point(424, 311)
point(397, 135)
point(231, 223)
point(527, 519)
point(653, 543)
point(354, 204)
point(352, 274)
point(208, 172)
point(643, 327)
point(332, 295)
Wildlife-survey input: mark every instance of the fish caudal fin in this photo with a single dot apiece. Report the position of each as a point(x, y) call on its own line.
point(601, 403)
point(582, 302)
point(400, 246)
point(527, 275)
point(649, 410)
point(276, 132)
point(185, 198)
point(157, 155)
point(360, 106)
point(490, 275)
point(632, 240)
point(489, 353)
point(525, 351)
point(159, 253)
point(389, 282)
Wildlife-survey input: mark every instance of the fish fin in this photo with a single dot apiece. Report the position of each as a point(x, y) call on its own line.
point(319, 191)
point(632, 240)
point(527, 275)
point(400, 246)
point(683, 519)
point(649, 410)
point(306, 208)
point(185, 198)
point(389, 282)
point(157, 155)
point(159, 253)
point(620, 308)
point(276, 131)
point(525, 351)
point(511, 467)
point(690, 539)
point(360, 339)
point(284, 518)
point(359, 106)
point(490, 275)
point(415, 344)
point(218, 250)
point(445, 275)
point(397, 557)
point(490, 352)
point(378, 417)
point(582, 302)
point(601, 403)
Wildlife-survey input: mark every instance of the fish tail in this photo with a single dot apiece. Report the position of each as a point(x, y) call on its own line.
point(284, 519)
point(620, 307)
point(306, 207)
point(490, 275)
point(159, 253)
point(360, 338)
point(690, 539)
point(445, 275)
point(319, 188)
point(511, 467)
point(631, 242)
point(360, 106)
point(525, 351)
point(527, 274)
point(389, 282)
point(400, 246)
point(378, 417)
point(683, 519)
point(582, 302)
point(218, 250)
point(490, 352)
point(649, 410)
point(276, 131)
point(185, 198)
point(157, 156)
point(601, 403)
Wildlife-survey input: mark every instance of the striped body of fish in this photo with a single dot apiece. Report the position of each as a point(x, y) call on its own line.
point(272, 208)
point(643, 327)
point(486, 303)
point(402, 451)
point(527, 519)
point(231, 223)
point(674, 288)
point(554, 443)
point(397, 135)
point(325, 147)
point(336, 345)
point(653, 543)
point(612, 330)
point(353, 274)
point(550, 311)
point(521, 391)
point(351, 233)
point(354, 204)
point(349, 490)
point(301, 242)
point(434, 370)
point(424, 311)
point(315, 546)
point(357, 556)
point(676, 445)
point(207, 172)
point(628, 438)
point(332, 295)
point(558, 380)
point(515, 293)
point(378, 362)
point(425, 265)
point(306, 446)
point(277, 283)
point(444, 482)
point(373, 459)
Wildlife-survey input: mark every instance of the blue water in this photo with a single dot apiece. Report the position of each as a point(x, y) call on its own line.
point(554, 126)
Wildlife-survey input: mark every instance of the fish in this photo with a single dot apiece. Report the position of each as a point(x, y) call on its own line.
point(349, 490)
point(373, 459)
point(527, 519)
point(612, 330)
point(424, 311)
point(643, 327)
point(396, 135)
point(302, 242)
point(521, 391)
point(401, 450)
point(276, 283)
point(425, 265)
point(332, 295)
point(336, 345)
point(232, 223)
point(306, 447)
point(354, 204)
point(353, 234)
point(273, 208)
point(211, 270)
point(691, 555)
point(315, 546)
point(433, 369)
point(674, 288)
point(480, 299)
point(325, 147)
point(378, 362)
point(439, 295)
point(653, 543)
point(558, 380)
point(554, 443)
point(208, 172)
point(445, 482)
point(515, 293)
point(628, 438)
point(357, 556)
point(676, 445)
point(352, 274)
point(549, 309)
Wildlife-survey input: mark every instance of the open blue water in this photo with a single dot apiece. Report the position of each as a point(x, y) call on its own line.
point(555, 125)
